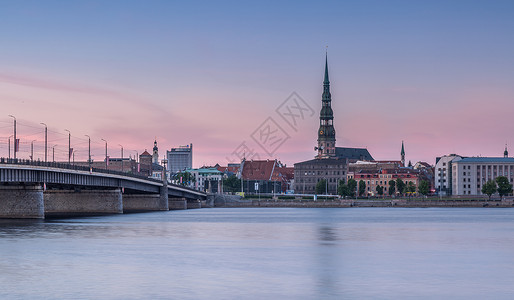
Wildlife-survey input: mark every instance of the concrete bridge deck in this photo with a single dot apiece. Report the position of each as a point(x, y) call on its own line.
point(30, 189)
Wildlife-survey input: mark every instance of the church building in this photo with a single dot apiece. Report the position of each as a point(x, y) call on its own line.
point(331, 162)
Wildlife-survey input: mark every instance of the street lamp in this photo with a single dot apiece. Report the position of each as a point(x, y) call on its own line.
point(53, 153)
point(32, 150)
point(15, 148)
point(46, 135)
point(69, 145)
point(89, 150)
point(9, 145)
point(106, 165)
point(121, 157)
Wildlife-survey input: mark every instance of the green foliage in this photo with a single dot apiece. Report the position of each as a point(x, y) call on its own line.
point(489, 188)
point(232, 184)
point(424, 188)
point(411, 187)
point(504, 187)
point(392, 187)
point(321, 187)
point(400, 185)
point(362, 187)
point(342, 189)
point(184, 178)
point(352, 185)
point(380, 190)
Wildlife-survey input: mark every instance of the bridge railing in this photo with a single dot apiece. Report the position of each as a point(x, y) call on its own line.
point(66, 166)
point(60, 165)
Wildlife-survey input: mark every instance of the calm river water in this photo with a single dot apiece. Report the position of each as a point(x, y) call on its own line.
point(269, 253)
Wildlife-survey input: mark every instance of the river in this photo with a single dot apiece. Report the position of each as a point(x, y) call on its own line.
point(263, 253)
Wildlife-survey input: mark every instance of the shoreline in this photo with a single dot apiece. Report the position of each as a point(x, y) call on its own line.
point(348, 203)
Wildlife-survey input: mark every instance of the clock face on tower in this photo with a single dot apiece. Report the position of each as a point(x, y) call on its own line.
point(321, 132)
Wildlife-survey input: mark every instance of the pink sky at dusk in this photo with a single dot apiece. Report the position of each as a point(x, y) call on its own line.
point(432, 75)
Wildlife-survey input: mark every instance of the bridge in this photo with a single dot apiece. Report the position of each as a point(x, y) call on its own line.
point(35, 189)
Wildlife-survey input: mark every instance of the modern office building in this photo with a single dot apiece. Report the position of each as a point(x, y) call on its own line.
point(180, 159)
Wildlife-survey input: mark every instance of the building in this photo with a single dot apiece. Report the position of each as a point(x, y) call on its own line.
point(470, 173)
point(180, 159)
point(145, 163)
point(265, 176)
point(374, 178)
point(207, 179)
point(331, 162)
point(443, 174)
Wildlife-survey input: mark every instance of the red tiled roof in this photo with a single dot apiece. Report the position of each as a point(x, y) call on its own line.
point(145, 153)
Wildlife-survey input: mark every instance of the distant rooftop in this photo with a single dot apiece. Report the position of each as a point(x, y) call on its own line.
point(487, 160)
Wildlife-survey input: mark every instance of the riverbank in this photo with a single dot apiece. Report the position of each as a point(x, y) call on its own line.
point(413, 202)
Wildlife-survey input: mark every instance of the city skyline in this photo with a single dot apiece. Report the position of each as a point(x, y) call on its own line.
point(436, 75)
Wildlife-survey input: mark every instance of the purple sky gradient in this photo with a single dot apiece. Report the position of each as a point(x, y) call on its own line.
point(437, 75)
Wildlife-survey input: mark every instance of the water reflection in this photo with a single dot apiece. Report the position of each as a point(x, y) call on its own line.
point(261, 253)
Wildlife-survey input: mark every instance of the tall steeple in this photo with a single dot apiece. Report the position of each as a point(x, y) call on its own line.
point(402, 154)
point(326, 133)
point(155, 156)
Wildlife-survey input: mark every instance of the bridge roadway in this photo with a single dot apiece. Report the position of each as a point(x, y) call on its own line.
point(33, 189)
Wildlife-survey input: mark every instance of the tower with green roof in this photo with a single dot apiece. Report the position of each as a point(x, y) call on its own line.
point(326, 134)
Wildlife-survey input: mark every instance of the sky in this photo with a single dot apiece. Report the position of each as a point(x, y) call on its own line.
point(438, 75)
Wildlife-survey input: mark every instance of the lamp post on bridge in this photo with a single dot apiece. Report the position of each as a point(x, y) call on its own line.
point(53, 153)
point(106, 165)
point(15, 148)
point(46, 141)
point(32, 150)
point(121, 157)
point(9, 145)
point(69, 145)
point(89, 150)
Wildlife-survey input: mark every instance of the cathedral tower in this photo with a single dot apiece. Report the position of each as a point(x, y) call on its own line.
point(326, 133)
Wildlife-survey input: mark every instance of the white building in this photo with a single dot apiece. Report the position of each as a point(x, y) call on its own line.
point(469, 174)
point(207, 179)
point(443, 175)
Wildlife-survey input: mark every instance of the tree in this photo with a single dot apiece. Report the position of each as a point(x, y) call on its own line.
point(380, 190)
point(504, 187)
point(411, 188)
point(424, 188)
point(352, 185)
point(489, 188)
point(392, 187)
point(400, 185)
point(184, 178)
point(342, 189)
point(362, 187)
point(321, 187)
point(232, 184)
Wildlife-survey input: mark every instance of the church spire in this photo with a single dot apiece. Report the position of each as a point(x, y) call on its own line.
point(326, 81)
point(402, 154)
point(326, 134)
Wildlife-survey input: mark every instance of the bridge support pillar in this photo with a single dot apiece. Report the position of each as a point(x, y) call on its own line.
point(177, 203)
point(143, 202)
point(194, 203)
point(79, 203)
point(22, 202)
point(163, 198)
